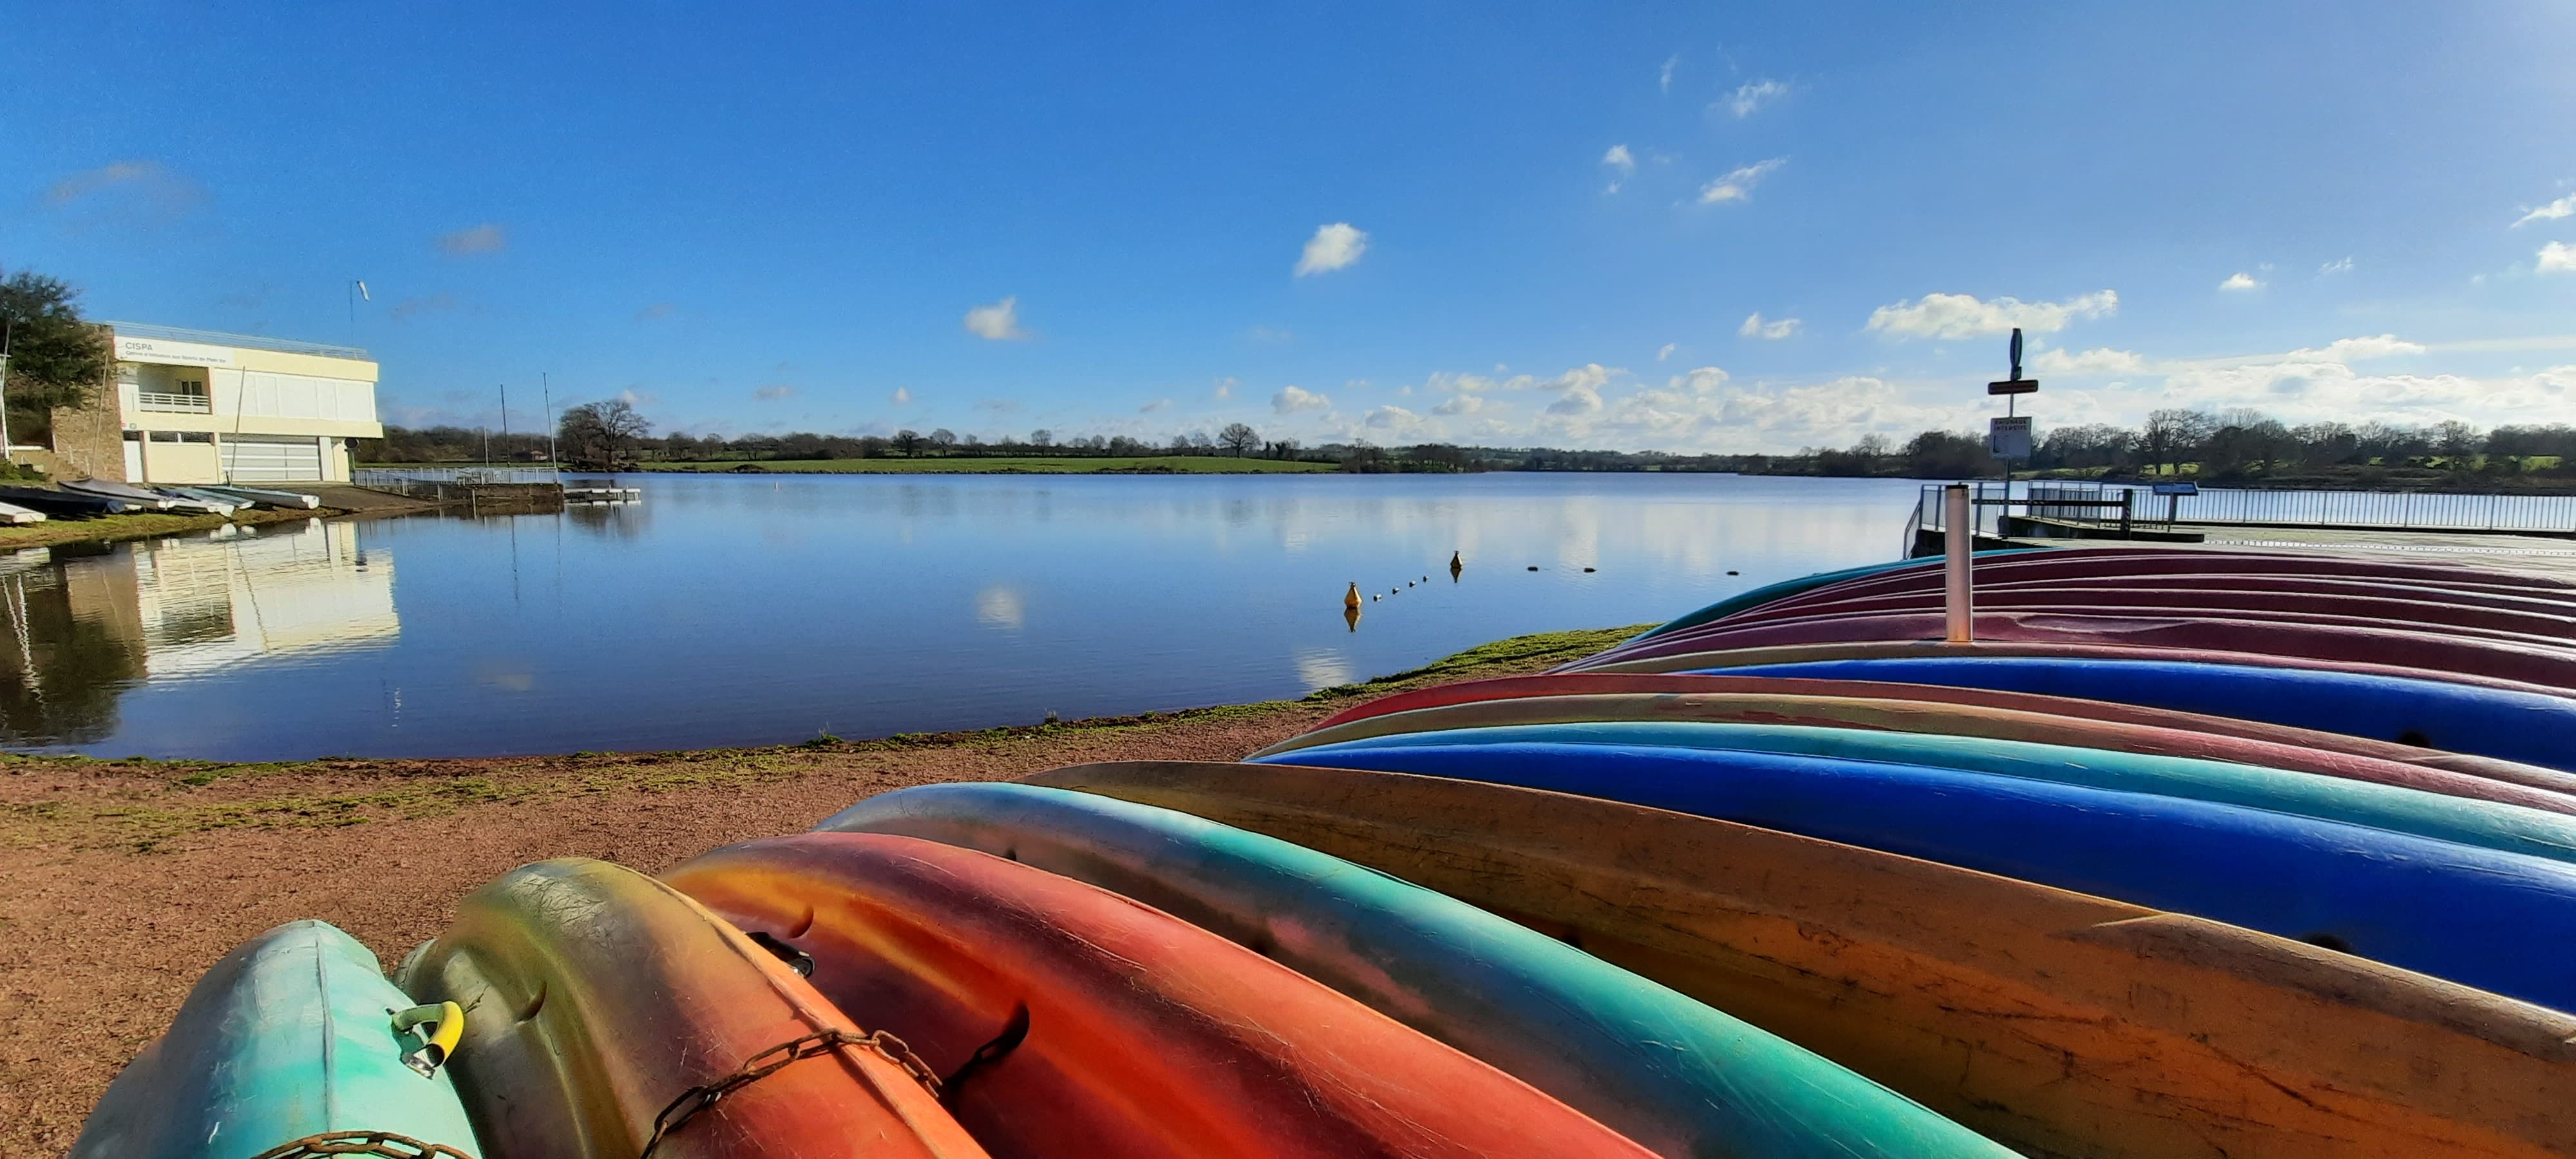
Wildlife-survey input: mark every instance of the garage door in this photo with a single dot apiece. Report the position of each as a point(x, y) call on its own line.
point(272, 460)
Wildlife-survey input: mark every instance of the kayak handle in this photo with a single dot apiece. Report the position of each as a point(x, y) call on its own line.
point(446, 1022)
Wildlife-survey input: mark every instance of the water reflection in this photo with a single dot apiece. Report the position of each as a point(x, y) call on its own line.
point(747, 609)
point(87, 623)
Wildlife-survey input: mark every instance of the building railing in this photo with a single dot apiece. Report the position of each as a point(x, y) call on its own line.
point(244, 341)
point(182, 403)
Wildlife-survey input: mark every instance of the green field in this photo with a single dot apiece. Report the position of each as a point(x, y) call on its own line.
point(1002, 465)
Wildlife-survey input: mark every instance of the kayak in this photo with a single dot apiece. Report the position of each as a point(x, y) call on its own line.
point(68, 504)
point(2388, 808)
point(2259, 598)
point(1061, 1012)
point(2525, 726)
point(1871, 705)
point(2475, 916)
point(2050, 1021)
point(1675, 1076)
point(1908, 697)
point(597, 999)
point(2438, 655)
point(289, 1038)
point(2124, 563)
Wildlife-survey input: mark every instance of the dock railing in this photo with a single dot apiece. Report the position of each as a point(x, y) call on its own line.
point(2100, 506)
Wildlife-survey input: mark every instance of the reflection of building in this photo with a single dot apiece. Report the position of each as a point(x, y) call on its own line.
point(83, 626)
point(193, 406)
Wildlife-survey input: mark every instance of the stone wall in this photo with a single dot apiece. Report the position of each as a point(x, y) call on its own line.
point(91, 439)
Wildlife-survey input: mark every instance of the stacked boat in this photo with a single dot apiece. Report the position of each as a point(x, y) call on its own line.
point(2189, 854)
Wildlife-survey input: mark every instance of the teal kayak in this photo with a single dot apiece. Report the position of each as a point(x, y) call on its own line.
point(2390, 808)
point(292, 1037)
point(1678, 1077)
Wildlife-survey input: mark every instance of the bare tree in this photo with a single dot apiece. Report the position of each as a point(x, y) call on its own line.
point(908, 442)
point(1238, 438)
point(601, 435)
point(1041, 438)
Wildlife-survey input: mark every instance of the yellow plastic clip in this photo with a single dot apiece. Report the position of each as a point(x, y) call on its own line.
point(444, 1023)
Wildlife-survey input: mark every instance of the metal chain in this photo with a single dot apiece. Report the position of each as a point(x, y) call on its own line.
point(775, 1059)
point(384, 1144)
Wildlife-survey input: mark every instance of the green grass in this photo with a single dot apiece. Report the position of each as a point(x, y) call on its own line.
point(1012, 465)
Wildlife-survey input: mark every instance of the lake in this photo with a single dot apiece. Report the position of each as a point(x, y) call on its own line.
point(736, 610)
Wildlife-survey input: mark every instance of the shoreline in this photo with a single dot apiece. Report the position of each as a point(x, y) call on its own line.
point(122, 880)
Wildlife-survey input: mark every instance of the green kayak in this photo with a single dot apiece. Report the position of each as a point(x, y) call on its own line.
point(295, 1037)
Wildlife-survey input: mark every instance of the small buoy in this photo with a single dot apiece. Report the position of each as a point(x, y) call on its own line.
point(1735, 573)
point(1533, 567)
point(1351, 598)
point(1592, 569)
point(1377, 597)
point(1408, 583)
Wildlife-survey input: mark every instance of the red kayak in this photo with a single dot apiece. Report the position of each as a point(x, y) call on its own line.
point(1070, 1021)
point(2281, 740)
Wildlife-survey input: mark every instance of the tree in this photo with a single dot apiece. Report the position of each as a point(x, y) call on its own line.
point(55, 358)
point(1041, 438)
point(943, 438)
point(907, 442)
point(1238, 438)
point(601, 435)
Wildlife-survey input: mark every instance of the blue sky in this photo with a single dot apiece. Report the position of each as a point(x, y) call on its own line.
point(1507, 224)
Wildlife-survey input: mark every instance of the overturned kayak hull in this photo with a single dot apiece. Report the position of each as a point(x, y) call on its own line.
point(1098, 1019)
point(595, 997)
point(1670, 1073)
point(2054, 1022)
point(287, 1038)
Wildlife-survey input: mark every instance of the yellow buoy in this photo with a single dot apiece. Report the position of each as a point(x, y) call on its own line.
point(1351, 598)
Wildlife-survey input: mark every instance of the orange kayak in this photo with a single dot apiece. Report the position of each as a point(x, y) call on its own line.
point(1075, 1022)
point(596, 996)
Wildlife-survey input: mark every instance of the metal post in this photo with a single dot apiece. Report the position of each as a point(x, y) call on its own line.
point(1961, 537)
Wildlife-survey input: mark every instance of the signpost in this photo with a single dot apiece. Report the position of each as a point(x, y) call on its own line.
point(2008, 438)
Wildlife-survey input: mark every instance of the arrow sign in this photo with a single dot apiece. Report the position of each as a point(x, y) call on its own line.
point(2016, 354)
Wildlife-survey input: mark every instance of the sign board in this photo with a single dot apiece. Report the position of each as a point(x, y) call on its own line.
point(2014, 386)
point(2009, 438)
point(164, 352)
point(2177, 488)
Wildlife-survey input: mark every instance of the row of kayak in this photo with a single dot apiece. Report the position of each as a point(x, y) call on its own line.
point(1661, 902)
point(85, 498)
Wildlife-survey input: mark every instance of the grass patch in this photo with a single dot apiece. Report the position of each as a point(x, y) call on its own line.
point(1000, 465)
point(138, 805)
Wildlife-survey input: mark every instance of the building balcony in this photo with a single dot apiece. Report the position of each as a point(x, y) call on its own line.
point(173, 403)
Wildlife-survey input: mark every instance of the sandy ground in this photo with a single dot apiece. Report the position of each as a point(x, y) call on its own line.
point(121, 882)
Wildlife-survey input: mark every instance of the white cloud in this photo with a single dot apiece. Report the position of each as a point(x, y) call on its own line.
point(902, 396)
point(1333, 247)
point(1963, 316)
point(486, 238)
point(2376, 346)
point(1664, 353)
point(1460, 404)
point(2556, 257)
point(1291, 400)
point(1664, 79)
point(999, 322)
point(1748, 98)
point(1225, 387)
point(2563, 207)
point(1392, 416)
point(2098, 361)
point(1151, 407)
point(2341, 265)
point(1755, 327)
point(1621, 162)
point(2240, 280)
point(773, 393)
point(1579, 389)
point(1705, 380)
point(1738, 184)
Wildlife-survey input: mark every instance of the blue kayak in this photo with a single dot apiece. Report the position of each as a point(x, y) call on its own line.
point(1676, 1076)
point(2499, 921)
point(292, 1037)
point(2395, 808)
point(2531, 727)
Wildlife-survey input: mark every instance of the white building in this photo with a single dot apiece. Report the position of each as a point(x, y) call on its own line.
point(193, 406)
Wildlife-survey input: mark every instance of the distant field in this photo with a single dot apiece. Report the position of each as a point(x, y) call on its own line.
point(998, 465)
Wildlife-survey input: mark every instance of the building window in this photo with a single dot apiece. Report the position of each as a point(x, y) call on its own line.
point(184, 396)
point(206, 437)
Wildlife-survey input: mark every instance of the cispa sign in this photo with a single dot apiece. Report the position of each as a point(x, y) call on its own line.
point(163, 352)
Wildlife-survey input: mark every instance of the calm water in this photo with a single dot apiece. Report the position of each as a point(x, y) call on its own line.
point(739, 610)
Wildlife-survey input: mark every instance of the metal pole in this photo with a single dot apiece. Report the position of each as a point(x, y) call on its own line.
point(1961, 536)
point(7, 331)
point(547, 385)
